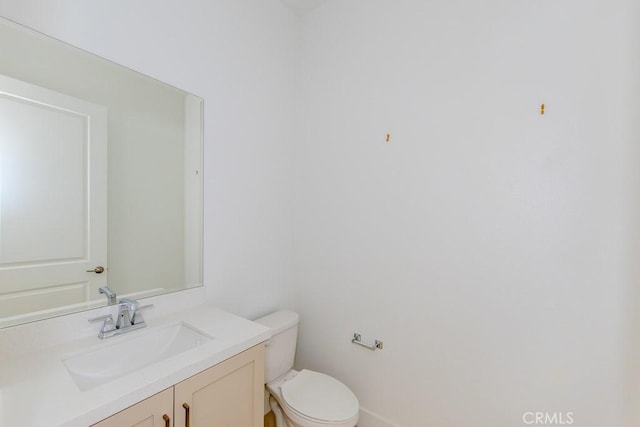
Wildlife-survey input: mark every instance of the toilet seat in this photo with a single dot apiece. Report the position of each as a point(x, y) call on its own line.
point(319, 396)
point(314, 399)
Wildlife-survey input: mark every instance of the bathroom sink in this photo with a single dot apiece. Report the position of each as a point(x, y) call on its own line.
point(130, 353)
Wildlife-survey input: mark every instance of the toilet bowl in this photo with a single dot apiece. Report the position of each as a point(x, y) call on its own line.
point(305, 398)
point(313, 399)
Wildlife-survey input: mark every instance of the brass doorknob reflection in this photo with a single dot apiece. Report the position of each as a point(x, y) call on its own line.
point(99, 269)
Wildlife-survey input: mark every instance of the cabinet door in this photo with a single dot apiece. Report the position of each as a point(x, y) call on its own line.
point(155, 411)
point(230, 394)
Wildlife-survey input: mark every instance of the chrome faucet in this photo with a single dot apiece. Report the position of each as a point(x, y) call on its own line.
point(129, 319)
point(111, 295)
point(127, 310)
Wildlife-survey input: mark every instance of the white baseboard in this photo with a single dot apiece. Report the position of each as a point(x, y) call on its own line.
point(370, 419)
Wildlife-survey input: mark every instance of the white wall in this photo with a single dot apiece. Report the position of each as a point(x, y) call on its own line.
point(237, 55)
point(633, 314)
point(488, 246)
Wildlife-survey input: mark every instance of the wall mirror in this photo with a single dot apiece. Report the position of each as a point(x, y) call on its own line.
point(100, 180)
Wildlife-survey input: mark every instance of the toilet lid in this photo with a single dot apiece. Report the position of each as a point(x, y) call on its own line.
point(319, 396)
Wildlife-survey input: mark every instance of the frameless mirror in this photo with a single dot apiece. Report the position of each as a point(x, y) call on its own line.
point(100, 180)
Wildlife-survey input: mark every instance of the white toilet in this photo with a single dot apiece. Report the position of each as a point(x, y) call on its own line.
point(305, 398)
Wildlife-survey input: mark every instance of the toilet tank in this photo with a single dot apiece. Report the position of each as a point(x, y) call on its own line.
point(281, 348)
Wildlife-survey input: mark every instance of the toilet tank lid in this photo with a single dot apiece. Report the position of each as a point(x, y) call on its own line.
point(279, 321)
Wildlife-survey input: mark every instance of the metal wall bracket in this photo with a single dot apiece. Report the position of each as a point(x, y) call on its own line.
point(357, 339)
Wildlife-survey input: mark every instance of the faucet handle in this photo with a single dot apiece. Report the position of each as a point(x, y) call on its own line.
point(137, 315)
point(106, 317)
point(107, 327)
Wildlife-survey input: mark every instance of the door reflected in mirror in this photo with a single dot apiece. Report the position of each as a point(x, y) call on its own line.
point(100, 180)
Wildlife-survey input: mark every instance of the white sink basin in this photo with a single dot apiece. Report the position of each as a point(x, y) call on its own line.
point(130, 353)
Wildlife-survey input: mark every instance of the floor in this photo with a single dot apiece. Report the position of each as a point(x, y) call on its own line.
point(270, 420)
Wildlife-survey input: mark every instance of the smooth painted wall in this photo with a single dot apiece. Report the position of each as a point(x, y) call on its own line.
point(238, 56)
point(490, 247)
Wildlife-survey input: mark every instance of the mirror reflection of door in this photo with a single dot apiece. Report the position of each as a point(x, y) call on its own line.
point(53, 198)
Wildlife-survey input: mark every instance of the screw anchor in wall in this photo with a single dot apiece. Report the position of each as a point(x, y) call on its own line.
point(357, 339)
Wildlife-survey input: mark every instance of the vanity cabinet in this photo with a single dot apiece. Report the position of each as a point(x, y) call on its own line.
point(230, 393)
point(155, 411)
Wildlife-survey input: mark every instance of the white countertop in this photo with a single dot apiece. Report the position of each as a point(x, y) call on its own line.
point(36, 389)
